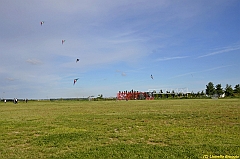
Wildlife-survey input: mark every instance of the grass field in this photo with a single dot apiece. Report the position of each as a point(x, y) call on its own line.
point(120, 129)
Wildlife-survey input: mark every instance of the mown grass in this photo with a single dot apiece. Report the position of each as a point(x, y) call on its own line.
point(122, 129)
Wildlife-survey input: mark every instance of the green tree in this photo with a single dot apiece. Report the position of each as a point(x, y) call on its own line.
point(173, 93)
point(210, 90)
point(202, 94)
point(193, 95)
point(100, 97)
point(237, 89)
point(198, 94)
point(219, 90)
point(228, 90)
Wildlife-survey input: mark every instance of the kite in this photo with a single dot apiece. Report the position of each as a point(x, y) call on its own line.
point(152, 76)
point(75, 80)
point(41, 23)
point(77, 60)
point(63, 41)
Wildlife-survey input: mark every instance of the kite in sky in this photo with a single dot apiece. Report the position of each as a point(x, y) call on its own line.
point(77, 60)
point(41, 23)
point(152, 76)
point(75, 80)
point(63, 41)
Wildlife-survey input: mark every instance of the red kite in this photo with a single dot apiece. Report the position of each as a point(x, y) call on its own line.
point(75, 80)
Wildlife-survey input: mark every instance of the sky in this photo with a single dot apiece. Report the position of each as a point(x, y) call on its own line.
point(120, 44)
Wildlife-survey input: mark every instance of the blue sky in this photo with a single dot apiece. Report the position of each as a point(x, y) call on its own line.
point(183, 44)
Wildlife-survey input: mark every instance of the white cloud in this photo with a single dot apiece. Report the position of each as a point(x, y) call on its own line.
point(10, 79)
point(34, 61)
point(171, 58)
point(224, 50)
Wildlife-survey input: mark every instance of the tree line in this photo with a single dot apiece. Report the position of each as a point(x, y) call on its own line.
point(210, 91)
point(228, 91)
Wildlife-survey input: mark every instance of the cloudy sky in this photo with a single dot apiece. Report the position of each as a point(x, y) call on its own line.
point(119, 44)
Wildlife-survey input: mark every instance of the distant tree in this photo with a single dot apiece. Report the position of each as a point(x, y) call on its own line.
point(210, 90)
point(228, 90)
point(173, 93)
point(156, 96)
point(237, 89)
point(202, 93)
point(180, 94)
point(219, 90)
point(100, 96)
point(198, 94)
point(193, 95)
point(167, 94)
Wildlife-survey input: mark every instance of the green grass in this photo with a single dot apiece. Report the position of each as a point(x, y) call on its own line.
point(122, 129)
